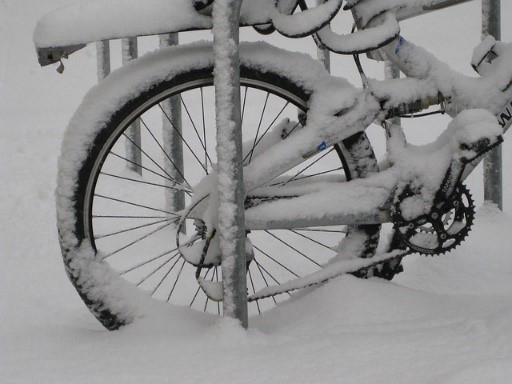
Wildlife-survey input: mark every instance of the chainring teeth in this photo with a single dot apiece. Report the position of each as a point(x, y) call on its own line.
point(459, 210)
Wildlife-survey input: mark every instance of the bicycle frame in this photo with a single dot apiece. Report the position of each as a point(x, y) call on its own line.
point(381, 187)
point(353, 113)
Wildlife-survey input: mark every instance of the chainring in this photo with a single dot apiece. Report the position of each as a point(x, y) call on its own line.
point(441, 230)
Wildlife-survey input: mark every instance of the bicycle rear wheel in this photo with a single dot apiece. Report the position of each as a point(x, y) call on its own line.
point(117, 216)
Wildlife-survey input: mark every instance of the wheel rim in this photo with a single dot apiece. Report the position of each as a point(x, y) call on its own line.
point(128, 222)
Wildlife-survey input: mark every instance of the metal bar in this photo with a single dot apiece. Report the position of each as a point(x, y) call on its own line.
point(323, 55)
point(173, 145)
point(391, 71)
point(133, 152)
point(226, 16)
point(493, 173)
point(103, 59)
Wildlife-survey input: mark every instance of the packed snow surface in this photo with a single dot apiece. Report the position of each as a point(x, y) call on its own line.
point(444, 320)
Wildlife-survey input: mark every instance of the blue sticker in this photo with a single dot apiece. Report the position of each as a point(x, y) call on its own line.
point(401, 41)
point(321, 146)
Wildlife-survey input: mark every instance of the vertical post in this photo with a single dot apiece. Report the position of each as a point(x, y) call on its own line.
point(226, 15)
point(133, 145)
point(391, 71)
point(173, 145)
point(493, 180)
point(103, 59)
point(323, 55)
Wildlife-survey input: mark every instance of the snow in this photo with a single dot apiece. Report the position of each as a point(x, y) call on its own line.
point(444, 320)
point(386, 29)
point(306, 22)
point(71, 24)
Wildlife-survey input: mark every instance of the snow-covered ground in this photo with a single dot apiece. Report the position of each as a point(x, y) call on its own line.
point(444, 320)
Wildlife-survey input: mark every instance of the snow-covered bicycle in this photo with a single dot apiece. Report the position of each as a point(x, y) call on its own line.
point(316, 196)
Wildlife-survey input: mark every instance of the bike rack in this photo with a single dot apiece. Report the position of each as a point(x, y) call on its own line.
point(226, 14)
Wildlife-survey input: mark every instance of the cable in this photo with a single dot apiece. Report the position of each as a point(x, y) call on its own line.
point(423, 114)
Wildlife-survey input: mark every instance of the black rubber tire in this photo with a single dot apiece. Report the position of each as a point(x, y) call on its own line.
point(354, 153)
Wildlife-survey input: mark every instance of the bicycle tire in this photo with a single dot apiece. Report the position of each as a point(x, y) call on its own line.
point(100, 286)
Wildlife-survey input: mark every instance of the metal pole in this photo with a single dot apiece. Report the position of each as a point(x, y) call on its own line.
point(493, 177)
point(133, 145)
point(173, 145)
point(103, 58)
point(391, 71)
point(323, 55)
point(231, 228)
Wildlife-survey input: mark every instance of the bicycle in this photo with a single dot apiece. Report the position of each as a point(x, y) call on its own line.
point(310, 172)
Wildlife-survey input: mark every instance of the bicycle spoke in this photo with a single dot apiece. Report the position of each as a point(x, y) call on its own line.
point(186, 190)
point(217, 280)
point(258, 130)
point(317, 174)
point(321, 230)
point(130, 229)
point(126, 217)
point(204, 130)
point(149, 157)
point(165, 277)
point(254, 290)
point(176, 281)
point(243, 105)
point(135, 204)
point(264, 279)
point(148, 261)
point(144, 279)
point(271, 124)
point(291, 247)
point(183, 139)
point(165, 154)
point(293, 129)
point(310, 239)
point(307, 167)
point(143, 167)
point(270, 275)
point(137, 240)
point(275, 261)
point(203, 144)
